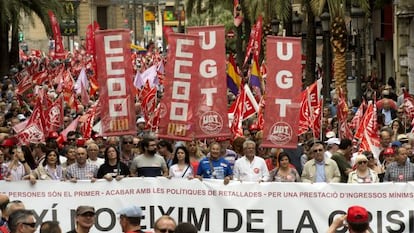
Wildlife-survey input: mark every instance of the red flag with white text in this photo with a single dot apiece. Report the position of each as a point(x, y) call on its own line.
point(177, 105)
point(113, 55)
point(34, 131)
point(211, 89)
point(53, 115)
point(283, 57)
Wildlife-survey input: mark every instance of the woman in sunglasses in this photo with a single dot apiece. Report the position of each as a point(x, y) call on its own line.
point(362, 174)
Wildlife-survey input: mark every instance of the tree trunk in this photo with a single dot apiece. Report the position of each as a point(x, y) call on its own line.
point(14, 49)
point(340, 73)
point(310, 47)
point(4, 50)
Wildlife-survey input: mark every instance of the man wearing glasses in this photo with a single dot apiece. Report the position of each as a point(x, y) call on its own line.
point(85, 219)
point(165, 224)
point(22, 221)
point(320, 169)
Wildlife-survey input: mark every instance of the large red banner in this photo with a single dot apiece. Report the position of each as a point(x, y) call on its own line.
point(115, 82)
point(284, 81)
point(211, 104)
point(195, 99)
point(177, 114)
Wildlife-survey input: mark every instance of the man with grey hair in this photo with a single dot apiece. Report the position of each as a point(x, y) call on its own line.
point(93, 151)
point(250, 167)
point(22, 221)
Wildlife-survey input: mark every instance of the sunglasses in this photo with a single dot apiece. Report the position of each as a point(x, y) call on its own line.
point(319, 150)
point(128, 142)
point(370, 157)
point(362, 162)
point(30, 224)
point(166, 230)
point(88, 214)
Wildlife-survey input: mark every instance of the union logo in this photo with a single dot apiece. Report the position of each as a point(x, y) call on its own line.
point(280, 133)
point(211, 122)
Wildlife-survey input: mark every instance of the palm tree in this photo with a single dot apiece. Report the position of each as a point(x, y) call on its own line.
point(10, 15)
point(338, 35)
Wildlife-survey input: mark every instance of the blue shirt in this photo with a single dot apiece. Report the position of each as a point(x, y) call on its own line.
point(214, 169)
point(320, 172)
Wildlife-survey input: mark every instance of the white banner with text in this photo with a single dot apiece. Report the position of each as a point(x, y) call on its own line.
point(215, 207)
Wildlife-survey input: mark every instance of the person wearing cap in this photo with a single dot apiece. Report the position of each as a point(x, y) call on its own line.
point(85, 219)
point(362, 173)
point(332, 145)
point(357, 219)
point(401, 170)
point(130, 219)
point(140, 127)
point(320, 169)
point(386, 157)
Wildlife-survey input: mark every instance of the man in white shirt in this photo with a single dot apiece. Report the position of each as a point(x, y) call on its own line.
point(93, 151)
point(250, 167)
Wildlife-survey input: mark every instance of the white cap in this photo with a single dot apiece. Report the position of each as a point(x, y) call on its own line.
point(333, 141)
point(330, 134)
point(140, 120)
point(21, 117)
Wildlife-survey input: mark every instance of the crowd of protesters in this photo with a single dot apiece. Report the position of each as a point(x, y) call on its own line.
point(143, 154)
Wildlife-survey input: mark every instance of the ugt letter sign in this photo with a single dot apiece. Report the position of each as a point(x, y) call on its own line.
point(283, 88)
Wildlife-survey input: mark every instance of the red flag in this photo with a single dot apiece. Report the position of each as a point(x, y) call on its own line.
point(316, 124)
point(53, 115)
point(90, 38)
point(113, 53)
point(71, 127)
point(283, 55)
point(59, 49)
point(149, 104)
point(250, 45)
point(87, 122)
point(260, 117)
point(358, 117)
point(408, 104)
point(342, 112)
point(34, 130)
point(211, 119)
point(258, 38)
point(342, 115)
point(369, 137)
point(236, 126)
